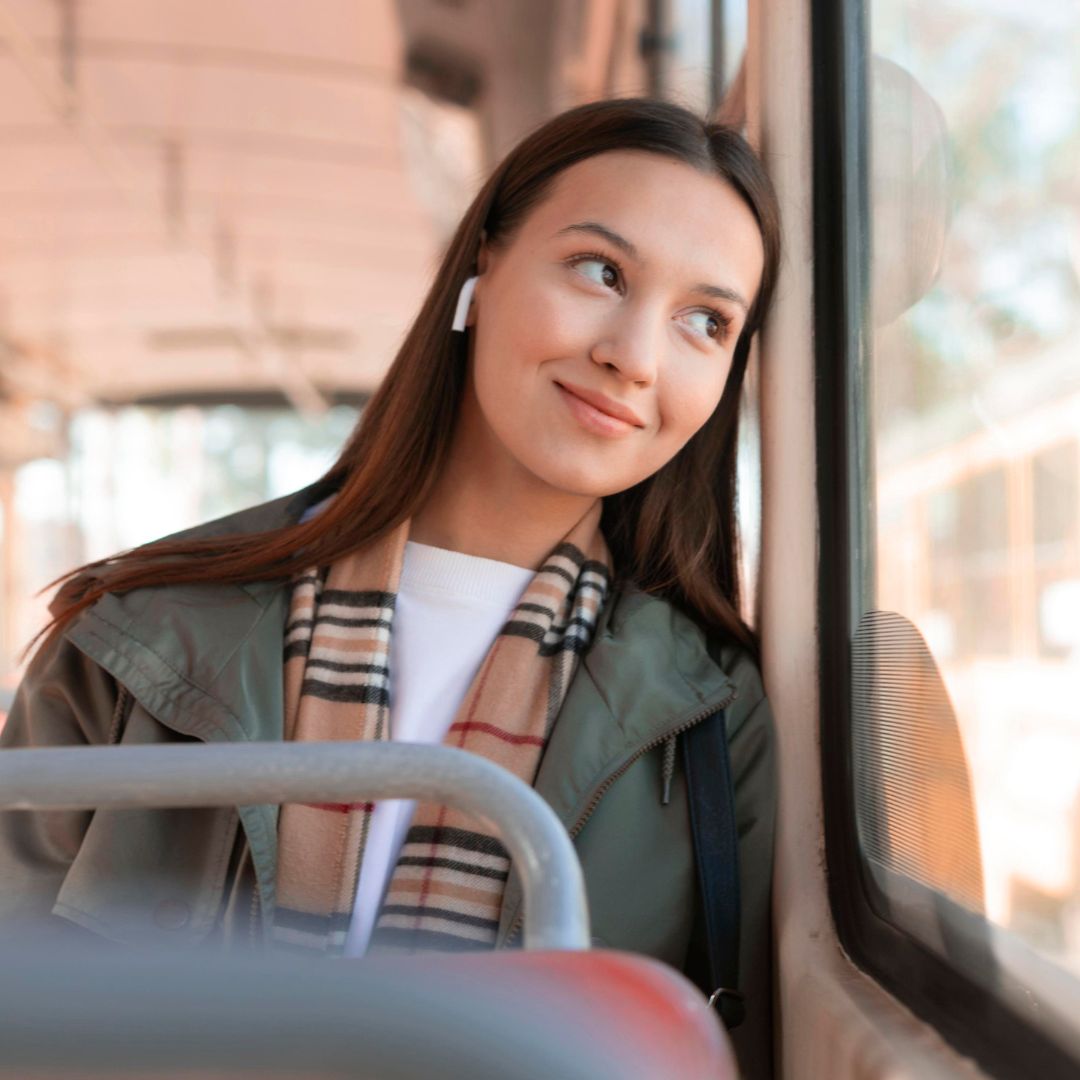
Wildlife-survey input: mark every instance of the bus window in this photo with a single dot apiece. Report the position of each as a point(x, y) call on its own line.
point(956, 657)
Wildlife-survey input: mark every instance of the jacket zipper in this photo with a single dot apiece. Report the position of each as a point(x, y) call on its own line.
point(125, 702)
point(599, 793)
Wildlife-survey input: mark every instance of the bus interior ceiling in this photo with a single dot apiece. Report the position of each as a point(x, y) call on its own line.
point(204, 207)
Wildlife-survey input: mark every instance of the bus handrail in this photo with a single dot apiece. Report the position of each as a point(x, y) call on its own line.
point(120, 777)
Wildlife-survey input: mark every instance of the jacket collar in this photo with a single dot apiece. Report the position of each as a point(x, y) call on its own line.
point(206, 659)
point(646, 676)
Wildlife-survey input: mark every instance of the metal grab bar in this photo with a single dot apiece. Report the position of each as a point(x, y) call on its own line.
point(81, 778)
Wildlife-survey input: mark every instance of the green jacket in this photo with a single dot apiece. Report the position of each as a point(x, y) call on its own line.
point(204, 662)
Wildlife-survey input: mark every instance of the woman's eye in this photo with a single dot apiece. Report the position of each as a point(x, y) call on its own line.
point(599, 270)
point(710, 324)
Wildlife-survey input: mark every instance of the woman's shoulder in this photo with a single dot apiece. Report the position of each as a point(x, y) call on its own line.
point(189, 627)
point(741, 666)
point(633, 606)
point(263, 517)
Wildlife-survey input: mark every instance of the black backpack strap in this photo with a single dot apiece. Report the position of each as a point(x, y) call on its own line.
point(711, 797)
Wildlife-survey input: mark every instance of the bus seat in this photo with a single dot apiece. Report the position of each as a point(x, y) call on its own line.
point(576, 1015)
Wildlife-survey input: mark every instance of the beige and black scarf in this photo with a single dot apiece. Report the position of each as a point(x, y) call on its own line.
point(447, 885)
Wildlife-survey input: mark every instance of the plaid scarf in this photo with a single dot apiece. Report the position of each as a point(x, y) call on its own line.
point(446, 888)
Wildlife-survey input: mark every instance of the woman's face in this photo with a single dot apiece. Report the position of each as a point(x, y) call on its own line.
point(628, 287)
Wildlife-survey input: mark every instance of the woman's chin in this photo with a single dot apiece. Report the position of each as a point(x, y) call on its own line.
point(570, 478)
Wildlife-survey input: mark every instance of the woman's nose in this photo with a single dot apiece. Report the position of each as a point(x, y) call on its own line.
point(631, 343)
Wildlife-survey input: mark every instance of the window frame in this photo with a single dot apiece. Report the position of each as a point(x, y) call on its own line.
point(975, 1020)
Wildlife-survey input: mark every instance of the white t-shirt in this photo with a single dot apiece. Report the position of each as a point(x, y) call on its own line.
point(450, 607)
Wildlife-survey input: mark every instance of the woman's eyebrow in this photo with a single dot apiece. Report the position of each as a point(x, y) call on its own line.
point(609, 235)
point(717, 292)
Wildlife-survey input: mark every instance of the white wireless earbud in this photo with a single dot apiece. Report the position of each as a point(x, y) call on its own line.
point(464, 300)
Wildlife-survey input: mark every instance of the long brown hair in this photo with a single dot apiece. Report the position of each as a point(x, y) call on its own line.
point(673, 534)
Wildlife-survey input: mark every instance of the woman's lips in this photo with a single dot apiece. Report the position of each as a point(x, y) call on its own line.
point(592, 418)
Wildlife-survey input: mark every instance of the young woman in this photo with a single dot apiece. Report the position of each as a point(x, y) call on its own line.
point(527, 549)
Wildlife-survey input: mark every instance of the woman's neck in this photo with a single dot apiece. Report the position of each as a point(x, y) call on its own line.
point(493, 511)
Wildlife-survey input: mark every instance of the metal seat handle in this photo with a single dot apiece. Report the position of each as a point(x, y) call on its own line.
point(78, 778)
